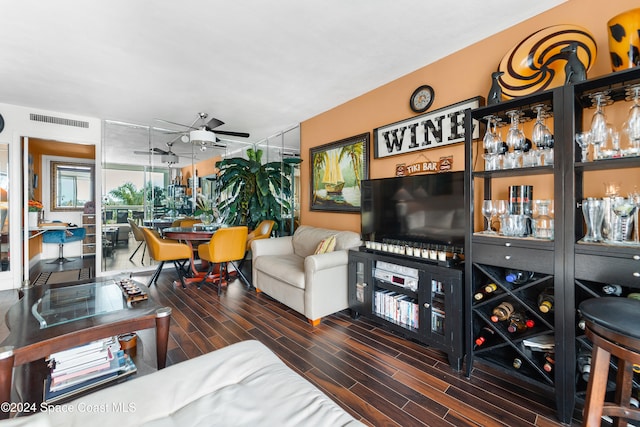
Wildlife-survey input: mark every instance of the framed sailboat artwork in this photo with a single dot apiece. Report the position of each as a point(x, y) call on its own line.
point(337, 170)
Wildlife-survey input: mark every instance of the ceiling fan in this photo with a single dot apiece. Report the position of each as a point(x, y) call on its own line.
point(166, 156)
point(203, 134)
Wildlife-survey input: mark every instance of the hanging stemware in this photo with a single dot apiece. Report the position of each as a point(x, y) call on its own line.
point(515, 139)
point(632, 125)
point(599, 126)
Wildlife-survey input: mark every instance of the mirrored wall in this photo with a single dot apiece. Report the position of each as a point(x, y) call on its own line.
point(151, 178)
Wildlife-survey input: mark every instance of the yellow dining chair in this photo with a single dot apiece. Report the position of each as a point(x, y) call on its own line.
point(262, 231)
point(226, 245)
point(188, 222)
point(166, 250)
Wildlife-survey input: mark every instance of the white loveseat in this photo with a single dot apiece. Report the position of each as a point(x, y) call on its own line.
point(244, 384)
point(286, 269)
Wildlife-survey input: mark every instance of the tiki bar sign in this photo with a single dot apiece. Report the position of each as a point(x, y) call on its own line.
point(435, 129)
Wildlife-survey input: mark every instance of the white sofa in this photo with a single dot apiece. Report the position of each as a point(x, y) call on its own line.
point(286, 269)
point(244, 384)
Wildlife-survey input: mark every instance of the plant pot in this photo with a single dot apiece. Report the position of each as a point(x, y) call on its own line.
point(33, 219)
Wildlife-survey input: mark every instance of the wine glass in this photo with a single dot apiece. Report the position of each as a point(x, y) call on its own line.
point(488, 211)
point(599, 127)
point(583, 139)
point(515, 137)
point(632, 125)
point(502, 208)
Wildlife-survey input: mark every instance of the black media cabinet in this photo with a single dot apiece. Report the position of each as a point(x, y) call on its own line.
point(415, 298)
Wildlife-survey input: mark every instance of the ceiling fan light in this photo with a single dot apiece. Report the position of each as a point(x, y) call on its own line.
point(202, 136)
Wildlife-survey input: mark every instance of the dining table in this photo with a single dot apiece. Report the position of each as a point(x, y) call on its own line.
point(192, 236)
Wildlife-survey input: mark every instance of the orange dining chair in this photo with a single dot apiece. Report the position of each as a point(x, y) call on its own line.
point(262, 231)
point(139, 237)
point(166, 250)
point(226, 245)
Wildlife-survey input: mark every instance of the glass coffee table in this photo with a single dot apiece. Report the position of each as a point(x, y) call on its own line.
point(51, 318)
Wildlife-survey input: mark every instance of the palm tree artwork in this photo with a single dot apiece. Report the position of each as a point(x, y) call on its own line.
point(338, 169)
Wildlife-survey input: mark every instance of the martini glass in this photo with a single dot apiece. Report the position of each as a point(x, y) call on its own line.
point(583, 139)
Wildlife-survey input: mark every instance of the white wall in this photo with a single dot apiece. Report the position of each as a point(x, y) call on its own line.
point(18, 125)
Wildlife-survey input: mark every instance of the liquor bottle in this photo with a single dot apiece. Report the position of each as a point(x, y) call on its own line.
point(486, 333)
point(502, 312)
point(584, 364)
point(546, 300)
point(518, 277)
point(549, 361)
point(486, 291)
point(519, 323)
point(615, 290)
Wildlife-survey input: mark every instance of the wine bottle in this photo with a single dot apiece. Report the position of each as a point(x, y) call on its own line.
point(517, 363)
point(486, 333)
point(584, 364)
point(546, 300)
point(518, 277)
point(615, 290)
point(518, 322)
point(486, 291)
point(502, 312)
point(549, 361)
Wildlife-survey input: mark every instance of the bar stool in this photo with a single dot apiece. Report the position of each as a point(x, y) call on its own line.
point(612, 326)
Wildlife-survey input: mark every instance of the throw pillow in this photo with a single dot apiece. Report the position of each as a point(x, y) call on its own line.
point(326, 245)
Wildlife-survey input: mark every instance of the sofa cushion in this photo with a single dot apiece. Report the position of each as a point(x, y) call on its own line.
point(286, 268)
point(326, 245)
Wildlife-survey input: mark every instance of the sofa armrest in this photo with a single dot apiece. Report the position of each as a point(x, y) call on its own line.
point(314, 263)
point(274, 246)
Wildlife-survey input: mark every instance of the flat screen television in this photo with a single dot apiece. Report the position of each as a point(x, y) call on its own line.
point(417, 209)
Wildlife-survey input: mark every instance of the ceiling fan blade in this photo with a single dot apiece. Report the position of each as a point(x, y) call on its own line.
point(230, 133)
point(213, 123)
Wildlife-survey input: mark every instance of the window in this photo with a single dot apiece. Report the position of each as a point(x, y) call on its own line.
point(72, 186)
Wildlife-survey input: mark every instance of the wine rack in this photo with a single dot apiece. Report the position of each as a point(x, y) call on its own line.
point(598, 264)
point(576, 269)
point(528, 354)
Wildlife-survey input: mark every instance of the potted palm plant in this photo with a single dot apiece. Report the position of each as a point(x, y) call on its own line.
point(253, 191)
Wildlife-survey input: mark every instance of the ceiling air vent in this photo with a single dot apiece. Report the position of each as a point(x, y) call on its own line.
point(58, 121)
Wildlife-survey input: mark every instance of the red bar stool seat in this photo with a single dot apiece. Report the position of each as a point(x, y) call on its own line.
point(612, 326)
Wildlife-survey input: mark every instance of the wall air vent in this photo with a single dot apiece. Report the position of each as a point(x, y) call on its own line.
point(58, 121)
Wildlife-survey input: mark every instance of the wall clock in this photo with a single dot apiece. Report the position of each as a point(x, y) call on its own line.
point(1, 123)
point(421, 99)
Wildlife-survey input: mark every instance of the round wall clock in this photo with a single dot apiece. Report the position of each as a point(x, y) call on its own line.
point(421, 99)
point(1, 123)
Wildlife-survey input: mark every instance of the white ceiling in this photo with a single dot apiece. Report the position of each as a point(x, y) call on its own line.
point(259, 66)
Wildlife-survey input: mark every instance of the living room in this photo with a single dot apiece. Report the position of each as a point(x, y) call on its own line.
point(390, 389)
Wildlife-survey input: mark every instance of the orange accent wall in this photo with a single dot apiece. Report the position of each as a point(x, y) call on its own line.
point(457, 77)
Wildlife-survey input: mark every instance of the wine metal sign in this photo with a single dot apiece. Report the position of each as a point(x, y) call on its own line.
point(435, 129)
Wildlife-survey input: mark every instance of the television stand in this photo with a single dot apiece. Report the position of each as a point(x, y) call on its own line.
point(420, 300)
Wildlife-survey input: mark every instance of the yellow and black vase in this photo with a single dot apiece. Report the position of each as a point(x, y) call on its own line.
point(624, 40)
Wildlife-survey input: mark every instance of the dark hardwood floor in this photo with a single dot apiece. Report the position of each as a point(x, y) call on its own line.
point(378, 377)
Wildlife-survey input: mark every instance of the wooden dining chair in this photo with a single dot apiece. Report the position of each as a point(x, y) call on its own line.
point(226, 245)
point(166, 250)
point(139, 237)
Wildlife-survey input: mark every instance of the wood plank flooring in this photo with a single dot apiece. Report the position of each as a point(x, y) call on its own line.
point(378, 377)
